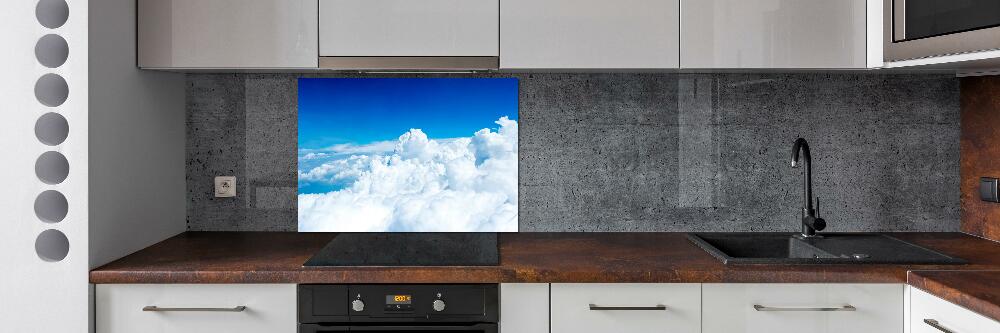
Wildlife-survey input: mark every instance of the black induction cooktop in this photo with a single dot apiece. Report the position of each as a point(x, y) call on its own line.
point(409, 249)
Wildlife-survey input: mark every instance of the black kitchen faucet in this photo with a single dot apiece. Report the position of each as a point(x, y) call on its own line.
point(810, 221)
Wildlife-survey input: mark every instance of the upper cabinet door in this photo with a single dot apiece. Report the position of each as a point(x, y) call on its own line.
point(227, 33)
point(409, 28)
point(621, 34)
point(773, 34)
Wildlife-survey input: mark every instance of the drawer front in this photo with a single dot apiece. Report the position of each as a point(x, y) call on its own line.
point(800, 308)
point(269, 308)
point(572, 311)
point(946, 315)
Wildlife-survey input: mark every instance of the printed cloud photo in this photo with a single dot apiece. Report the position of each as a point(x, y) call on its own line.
point(407, 155)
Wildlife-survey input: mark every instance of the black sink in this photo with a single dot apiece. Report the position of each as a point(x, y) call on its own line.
point(836, 248)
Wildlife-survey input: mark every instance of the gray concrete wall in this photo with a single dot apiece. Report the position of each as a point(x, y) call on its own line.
point(639, 152)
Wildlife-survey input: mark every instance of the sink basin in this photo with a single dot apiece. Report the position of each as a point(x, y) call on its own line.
point(836, 248)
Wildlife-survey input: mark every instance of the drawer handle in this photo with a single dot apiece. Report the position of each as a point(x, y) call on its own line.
point(595, 307)
point(154, 308)
point(759, 307)
point(935, 324)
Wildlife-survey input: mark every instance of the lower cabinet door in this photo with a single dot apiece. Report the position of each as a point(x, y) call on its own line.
point(930, 314)
point(189, 308)
point(802, 308)
point(626, 308)
point(524, 308)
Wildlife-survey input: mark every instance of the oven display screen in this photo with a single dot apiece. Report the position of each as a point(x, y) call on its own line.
point(398, 299)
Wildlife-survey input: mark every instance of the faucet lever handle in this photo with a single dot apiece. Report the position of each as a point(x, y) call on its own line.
point(817, 206)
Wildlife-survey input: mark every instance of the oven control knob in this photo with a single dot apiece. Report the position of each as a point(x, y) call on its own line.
point(438, 305)
point(358, 305)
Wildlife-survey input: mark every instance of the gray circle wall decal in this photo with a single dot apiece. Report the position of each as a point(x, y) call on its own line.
point(52, 245)
point(52, 167)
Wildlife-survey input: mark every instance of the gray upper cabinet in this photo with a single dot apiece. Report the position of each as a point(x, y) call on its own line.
point(589, 34)
point(509, 34)
point(774, 34)
point(191, 34)
point(409, 28)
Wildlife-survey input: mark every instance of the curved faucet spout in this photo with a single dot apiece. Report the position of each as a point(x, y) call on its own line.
point(810, 222)
point(800, 145)
point(807, 188)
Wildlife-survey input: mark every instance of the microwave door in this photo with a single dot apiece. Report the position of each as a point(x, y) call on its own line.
point(916, 29)
point(918, 19)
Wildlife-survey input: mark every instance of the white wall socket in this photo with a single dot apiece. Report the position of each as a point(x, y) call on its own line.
point(225, 187)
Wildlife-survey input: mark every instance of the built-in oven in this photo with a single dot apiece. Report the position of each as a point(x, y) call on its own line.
point(385, 308)
point(928, 28)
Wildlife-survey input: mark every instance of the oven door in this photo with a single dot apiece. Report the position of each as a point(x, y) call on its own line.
point(916, 29)
point(474, 328)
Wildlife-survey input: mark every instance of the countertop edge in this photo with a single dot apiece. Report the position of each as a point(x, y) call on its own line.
point(935, 282)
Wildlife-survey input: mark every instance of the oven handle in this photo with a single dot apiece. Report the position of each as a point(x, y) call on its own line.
point(485, 328)
point(306, 328)
point(316, 328)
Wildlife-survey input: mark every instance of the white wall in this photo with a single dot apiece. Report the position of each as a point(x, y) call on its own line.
point(136, 143)
point(126, 129)
point(38, 295)
point(137, 185)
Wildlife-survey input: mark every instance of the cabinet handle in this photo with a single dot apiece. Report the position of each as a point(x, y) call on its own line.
point(154, 308)
point(935, 324)
point(759, 307)
point(657, 307)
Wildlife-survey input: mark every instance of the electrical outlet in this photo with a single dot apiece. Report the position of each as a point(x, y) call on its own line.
point(225, 187)
point(988, 189)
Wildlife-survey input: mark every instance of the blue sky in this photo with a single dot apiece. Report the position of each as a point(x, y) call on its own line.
point(360, 111)
point(337, 110)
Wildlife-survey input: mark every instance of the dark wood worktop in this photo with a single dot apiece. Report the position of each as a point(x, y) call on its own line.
point(273, 257)
point(974, 290)
point(277, 257)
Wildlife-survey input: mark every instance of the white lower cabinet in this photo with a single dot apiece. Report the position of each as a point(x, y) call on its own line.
point(568, 307)
point(626, 308)
point(930, 314)
point(524, 308)
point(802, 308)
point(202, 308)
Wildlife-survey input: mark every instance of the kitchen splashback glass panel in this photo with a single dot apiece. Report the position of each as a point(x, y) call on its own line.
point(407, 154)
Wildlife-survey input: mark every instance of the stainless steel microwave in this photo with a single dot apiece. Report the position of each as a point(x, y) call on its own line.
point(929, 28)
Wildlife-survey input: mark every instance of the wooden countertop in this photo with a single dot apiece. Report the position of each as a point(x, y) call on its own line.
point(275, 257)
point(974, 290)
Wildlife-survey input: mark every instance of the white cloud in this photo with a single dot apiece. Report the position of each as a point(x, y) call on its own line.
point(313, 156)
point(459, 184)
point(337, 170)
point(348, 149)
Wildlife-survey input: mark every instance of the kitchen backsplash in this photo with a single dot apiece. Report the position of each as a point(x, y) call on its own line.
point(980, 125)
point(638, 152)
